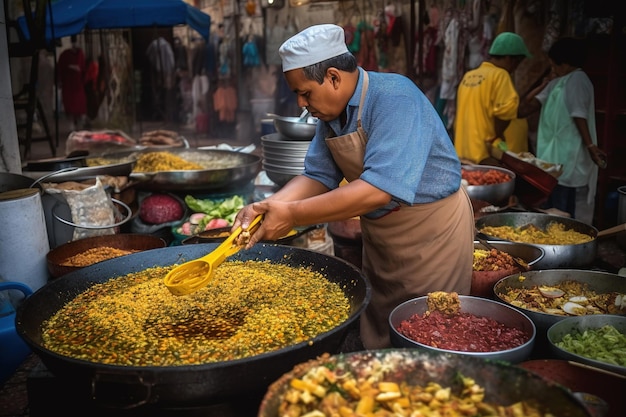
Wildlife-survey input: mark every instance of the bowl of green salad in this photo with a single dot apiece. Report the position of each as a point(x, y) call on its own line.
point(596, 340)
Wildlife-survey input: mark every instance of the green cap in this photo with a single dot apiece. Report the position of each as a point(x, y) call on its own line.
point(509, 43)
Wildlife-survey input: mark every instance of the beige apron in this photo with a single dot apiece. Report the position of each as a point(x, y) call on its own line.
point(410, 251)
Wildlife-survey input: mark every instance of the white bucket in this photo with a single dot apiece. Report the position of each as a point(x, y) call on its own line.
point(23, 238)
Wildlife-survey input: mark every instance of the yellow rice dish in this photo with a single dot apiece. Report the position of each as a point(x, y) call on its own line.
point(554, 234)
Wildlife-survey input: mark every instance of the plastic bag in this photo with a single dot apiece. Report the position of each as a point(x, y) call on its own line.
point(90, 206)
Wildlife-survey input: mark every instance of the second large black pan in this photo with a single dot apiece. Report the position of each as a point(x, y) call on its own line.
point(229, 170)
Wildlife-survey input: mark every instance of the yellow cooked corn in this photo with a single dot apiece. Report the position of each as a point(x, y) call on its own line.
point(249, 308)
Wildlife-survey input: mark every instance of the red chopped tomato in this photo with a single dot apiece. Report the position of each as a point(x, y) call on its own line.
point(463, 332)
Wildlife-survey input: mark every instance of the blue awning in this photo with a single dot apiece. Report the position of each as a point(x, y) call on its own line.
point(70, 17)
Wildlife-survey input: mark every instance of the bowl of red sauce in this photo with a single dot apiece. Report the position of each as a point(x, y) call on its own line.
point(488, 183)
point(481, 328)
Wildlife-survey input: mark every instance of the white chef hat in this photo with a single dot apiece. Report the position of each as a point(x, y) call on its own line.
point(314, 44)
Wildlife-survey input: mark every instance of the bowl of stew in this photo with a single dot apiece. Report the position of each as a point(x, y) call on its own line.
point(482, 328)
point(490, 266)
point(488, 183)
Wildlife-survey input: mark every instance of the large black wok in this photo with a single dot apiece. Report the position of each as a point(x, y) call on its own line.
point(239, 169)
point(504, 384)
point(132, 386)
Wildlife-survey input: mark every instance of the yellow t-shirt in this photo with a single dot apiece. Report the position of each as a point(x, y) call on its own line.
point(516, 135)
point(483, 93)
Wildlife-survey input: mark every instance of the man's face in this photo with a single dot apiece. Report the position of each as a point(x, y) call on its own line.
point(322, 100)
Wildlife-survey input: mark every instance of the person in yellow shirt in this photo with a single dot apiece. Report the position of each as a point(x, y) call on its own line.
point(487, 102)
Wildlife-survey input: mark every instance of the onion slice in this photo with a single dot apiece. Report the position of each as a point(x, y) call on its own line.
point(551, 292)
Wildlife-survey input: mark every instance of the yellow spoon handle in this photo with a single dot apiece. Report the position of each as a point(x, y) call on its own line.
point(193, 275)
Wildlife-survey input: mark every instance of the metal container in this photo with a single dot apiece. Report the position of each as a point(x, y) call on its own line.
point(504, 384)
point(294, 128)
point(556, 256)
point(599, 282)
point(580, 324)
point(238, 169)
point(492, 193)
point(10, 181)
point(477, 306)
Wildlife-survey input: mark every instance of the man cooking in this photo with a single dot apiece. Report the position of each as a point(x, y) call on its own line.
point(380, 133)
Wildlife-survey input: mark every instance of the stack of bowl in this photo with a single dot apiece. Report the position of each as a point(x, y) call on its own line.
point(283, 158)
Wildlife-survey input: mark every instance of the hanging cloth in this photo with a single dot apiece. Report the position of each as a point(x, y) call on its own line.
point(250, 54)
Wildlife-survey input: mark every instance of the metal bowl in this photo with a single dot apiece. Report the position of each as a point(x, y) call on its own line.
point(477, 306)
point(556, 256)
point(504, 384)
point(492, 193)
point(580, 324)
point(483, 281)
point(279, 178)
point(599, 282)
point(58, 256)
point(293, 128)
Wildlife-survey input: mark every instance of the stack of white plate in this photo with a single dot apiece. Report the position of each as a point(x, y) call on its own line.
point(283, 158)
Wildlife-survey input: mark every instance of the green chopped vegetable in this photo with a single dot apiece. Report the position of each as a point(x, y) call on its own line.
point(217, 209)
point(225, 209)
point(605, 344)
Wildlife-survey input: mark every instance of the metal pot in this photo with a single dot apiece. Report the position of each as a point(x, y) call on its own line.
point(492, 193)
point(10, 181)
point(579, 325)
point(600, 282)
point(119, 168)
point(556, 256)
point(132, 386)
point(503, 383)
point(241, 170)
point(477, 306)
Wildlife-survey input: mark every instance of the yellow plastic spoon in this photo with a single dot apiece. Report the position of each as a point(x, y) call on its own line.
point(193, 275)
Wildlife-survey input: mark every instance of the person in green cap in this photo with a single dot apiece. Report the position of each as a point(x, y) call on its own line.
point(487, 101)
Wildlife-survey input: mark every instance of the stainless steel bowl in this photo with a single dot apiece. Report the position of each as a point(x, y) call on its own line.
point(280, 178)
point(556, 256)
point(599, 282)
point(580, 324)
point(477, 306)
point(493, 193)
point(293, 128)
